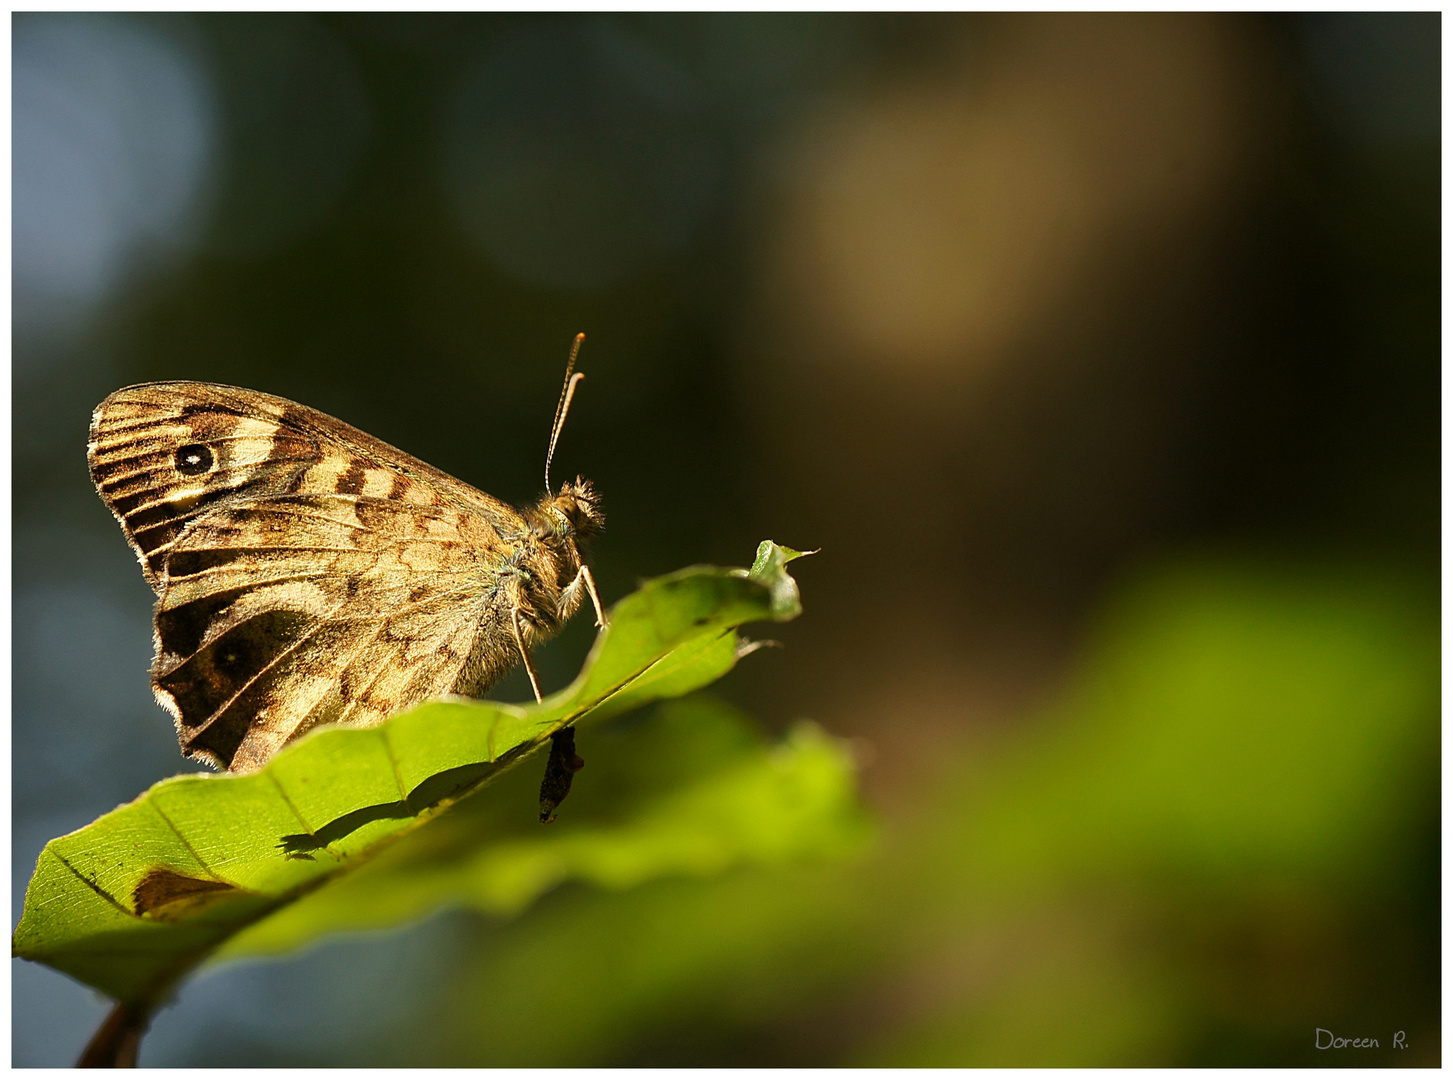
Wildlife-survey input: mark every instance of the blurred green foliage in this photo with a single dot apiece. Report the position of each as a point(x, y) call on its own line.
point(1175, 866)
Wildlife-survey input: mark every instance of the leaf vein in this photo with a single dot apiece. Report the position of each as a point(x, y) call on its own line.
point(289, 802)
point(393, 764)
point(102, 893)
point(187, 844)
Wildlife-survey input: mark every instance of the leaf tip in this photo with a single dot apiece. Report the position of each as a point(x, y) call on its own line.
point(769, 567)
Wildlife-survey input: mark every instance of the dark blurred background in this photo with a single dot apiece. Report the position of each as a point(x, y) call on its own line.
point(1099, 354)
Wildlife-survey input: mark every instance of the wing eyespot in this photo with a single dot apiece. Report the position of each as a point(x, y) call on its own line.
point(194, 459)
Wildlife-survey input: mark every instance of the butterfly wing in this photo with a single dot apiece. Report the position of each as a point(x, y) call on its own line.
point(298, 610)
point(306, 573)
point(163, 454)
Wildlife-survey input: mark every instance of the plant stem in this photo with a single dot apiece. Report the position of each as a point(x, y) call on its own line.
point(117, 1040)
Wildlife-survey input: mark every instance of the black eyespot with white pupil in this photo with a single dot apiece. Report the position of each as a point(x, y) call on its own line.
point(194, 459)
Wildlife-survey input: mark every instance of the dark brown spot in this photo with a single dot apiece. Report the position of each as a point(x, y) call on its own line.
point(272, 691)
point(398, 487)
point(182, 628)
point(213, 675)
point(418, 592)
point(194, 459)
point(166, 895)
point(351, 482)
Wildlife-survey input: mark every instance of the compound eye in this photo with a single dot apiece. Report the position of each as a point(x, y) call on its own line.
point(194, 459)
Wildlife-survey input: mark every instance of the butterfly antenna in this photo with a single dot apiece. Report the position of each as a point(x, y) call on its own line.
point(566, 393)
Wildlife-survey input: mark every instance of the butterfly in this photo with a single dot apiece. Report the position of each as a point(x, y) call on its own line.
point(307, 573)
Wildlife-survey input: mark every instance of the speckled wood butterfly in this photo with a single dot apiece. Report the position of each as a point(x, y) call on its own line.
point(307, 573)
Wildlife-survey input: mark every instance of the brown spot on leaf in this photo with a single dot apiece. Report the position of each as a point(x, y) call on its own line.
point(167, 895)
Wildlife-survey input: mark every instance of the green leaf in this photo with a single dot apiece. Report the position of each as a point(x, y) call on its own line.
point(690, 791)
point(133, 901)
point(770, 568)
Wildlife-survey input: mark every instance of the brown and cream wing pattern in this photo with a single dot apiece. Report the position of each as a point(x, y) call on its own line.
point(305, 572)
point(162, 454)
point(300, 610)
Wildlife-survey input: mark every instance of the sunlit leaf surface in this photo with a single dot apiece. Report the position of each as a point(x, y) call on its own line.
point(133, 901)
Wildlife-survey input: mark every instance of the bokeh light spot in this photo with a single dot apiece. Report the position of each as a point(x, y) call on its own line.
point(113, 132)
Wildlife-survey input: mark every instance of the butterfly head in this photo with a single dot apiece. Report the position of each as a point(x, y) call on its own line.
point(575, 514)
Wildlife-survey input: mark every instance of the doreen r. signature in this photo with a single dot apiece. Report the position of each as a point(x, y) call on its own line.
point(1328, 1041)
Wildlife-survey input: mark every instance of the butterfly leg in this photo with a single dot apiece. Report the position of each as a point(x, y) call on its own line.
point(600, 619)
point(525, 653)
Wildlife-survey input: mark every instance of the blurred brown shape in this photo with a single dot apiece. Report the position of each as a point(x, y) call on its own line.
point(979, 306)
point(935, 224)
